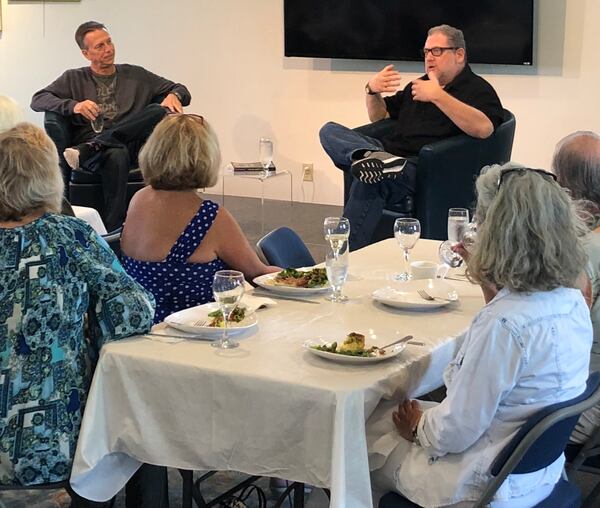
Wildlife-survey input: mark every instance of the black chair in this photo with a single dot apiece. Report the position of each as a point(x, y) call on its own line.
point(446, 172)
point(82, 188)
point(113, 239)
point(283, 247)
point(539, 442)
point(586, 458)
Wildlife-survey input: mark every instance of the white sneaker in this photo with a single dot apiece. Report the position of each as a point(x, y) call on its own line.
point(376, 166)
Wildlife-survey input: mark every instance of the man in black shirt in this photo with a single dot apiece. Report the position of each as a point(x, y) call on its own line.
point(448, 100)
point(129, 101)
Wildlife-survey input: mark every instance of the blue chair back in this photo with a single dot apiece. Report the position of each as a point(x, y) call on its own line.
point(283, 247)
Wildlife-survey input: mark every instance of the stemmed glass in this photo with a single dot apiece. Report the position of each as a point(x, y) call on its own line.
point(98, 123)
point(228, 289)
point(336, 264)
point(407, 232)
point(458, 228)
point(265, 152)
point(337, 231)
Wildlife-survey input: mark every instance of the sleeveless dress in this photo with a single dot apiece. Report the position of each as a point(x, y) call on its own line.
point(175, 283)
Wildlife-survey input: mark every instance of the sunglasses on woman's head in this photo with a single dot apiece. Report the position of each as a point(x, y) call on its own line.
point(507, 171)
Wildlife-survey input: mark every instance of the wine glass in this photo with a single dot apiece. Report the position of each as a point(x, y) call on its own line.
point(228, 289)
point(407, 232)
point(265, 152)
point(336, 265)
point(337, 231)
point(98, 123)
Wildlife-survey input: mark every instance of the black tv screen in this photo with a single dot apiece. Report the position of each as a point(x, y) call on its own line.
point(496, 31)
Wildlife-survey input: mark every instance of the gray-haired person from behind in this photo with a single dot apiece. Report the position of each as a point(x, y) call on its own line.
point(576, 162)
point(527, 348)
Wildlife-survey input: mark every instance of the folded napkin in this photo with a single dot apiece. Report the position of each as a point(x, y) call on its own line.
point(253, 303)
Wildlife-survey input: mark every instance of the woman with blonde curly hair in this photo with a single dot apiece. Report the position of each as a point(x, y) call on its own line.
point(526, 349)
point(57, 275)
point(174, 240)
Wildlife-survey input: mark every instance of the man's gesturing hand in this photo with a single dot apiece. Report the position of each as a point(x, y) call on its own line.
point(172, 103)
point(88, 109)
point(386, 80)
point(424, 90)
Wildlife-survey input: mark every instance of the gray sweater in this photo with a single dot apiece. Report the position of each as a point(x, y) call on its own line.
point(136, 89)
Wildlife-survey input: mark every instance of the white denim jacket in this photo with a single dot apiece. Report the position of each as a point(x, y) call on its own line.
point(521, 353)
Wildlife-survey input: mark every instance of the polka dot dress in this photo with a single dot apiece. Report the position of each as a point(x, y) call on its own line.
point(175, 283)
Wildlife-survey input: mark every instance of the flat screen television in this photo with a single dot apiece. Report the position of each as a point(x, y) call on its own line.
point(496, 31)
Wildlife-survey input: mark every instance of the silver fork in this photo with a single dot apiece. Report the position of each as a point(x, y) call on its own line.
point(426, 296)
point(201, 322)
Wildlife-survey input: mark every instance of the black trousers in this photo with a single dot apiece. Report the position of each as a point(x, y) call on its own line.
point(147, 488)
point(121, 144)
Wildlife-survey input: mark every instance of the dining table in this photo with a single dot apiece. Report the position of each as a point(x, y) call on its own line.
point(270, 407)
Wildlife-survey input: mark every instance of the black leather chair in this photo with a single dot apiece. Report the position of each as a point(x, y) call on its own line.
point(446, 173)
point(82, 188)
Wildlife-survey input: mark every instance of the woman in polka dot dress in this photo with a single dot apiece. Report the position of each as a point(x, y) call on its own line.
point(174, 240)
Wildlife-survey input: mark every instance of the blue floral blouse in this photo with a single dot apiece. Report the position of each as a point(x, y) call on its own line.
point(54, 272)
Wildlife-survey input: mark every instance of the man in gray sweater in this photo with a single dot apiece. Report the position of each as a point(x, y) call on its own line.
point(112, 109)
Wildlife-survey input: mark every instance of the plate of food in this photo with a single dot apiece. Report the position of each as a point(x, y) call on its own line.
point(413, 294)
point(207, 320)
point(352, 349)
point(303, 281)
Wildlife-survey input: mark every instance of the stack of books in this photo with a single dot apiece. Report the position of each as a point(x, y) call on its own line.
point(251, 168)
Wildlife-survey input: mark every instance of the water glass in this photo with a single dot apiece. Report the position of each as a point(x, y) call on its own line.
point(228, 289)
point(265, 153)
point(454, 259)
point(337, 231)
point(336, 264)
point(458, 218)
point(407, 232)
point(98, 123)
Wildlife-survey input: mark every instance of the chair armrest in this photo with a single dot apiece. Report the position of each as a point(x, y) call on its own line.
point(59, 129)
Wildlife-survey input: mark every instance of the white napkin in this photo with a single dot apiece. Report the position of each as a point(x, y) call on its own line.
point(252, 303)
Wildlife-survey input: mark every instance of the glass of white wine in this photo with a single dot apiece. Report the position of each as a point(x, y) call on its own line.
point(336, 265)
point(265, 153)
point(337, 231)
point(407, 231)
point(228, 289)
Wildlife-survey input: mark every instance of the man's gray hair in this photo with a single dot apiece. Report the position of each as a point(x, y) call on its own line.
point(576, 162)
point(456, 38)
point(30, 178)
point(529, 236)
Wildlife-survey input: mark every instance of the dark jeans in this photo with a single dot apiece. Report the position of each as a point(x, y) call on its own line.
point(121, 144)
point(147, 488)
point(365, 202)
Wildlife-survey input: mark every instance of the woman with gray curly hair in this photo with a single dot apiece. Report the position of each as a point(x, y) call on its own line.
point(57, 275)
point(526, 349)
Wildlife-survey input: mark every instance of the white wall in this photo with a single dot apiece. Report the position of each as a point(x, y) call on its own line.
point(230, 54)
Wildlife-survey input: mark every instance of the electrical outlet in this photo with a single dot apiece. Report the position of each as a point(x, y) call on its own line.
point(308, 173)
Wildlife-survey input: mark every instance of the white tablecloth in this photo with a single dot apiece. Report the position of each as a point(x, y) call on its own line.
point(268, 407)
point(91, 216)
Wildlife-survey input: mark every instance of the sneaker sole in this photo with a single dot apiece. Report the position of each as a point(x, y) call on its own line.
point(71, 155)
point(374, 170)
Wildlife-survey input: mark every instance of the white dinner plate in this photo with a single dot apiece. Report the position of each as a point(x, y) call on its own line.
point(266, 282)
point(184, 320)
point(390, 352)
point(403, 295)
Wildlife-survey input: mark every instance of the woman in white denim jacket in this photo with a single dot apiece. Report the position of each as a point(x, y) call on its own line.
point(527, 348)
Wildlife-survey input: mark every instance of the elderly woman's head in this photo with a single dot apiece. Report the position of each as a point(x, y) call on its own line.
point(30, 178)
point(528, 237)
point(181, 153)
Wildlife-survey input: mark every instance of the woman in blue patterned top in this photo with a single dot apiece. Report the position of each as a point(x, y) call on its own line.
point(173, 240)
point(54, 272)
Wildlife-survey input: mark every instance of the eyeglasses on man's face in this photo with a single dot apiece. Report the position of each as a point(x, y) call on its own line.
point(508, 171)
point(437, 51)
